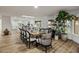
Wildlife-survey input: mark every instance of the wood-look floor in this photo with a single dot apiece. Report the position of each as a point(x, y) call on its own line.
point(13, 44)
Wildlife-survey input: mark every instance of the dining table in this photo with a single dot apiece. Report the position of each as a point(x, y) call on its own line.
point(36, 34)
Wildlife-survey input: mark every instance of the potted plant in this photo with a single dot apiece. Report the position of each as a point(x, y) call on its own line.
point(61, 20)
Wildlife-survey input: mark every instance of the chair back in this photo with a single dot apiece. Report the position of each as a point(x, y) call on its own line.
point(21, 32)
point(23, 35)
point(47, 35)
point(47, 38)
point(27, 34)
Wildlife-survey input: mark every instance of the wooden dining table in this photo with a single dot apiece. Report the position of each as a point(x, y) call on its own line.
point(36, 34)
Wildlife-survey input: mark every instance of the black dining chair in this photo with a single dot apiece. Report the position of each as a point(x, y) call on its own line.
point(30, 40)
point(22, 35)
point(26, 37)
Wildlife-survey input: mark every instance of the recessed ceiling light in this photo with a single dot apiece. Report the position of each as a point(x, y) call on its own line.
point(35, 6)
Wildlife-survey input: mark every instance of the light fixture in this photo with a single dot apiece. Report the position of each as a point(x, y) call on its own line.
point(35, 6)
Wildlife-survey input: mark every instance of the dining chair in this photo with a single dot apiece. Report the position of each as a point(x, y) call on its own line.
point(22, 35)
point(30, 40)
point(45, 41)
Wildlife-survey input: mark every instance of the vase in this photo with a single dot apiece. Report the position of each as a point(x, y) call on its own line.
point(56, 37)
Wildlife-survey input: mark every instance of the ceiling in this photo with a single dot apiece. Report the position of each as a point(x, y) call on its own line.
point(31, 11)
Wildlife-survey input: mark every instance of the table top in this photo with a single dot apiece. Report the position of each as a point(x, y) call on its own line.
point(37, 33)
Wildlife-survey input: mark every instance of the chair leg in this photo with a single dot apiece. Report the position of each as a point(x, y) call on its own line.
point(45, 49)
point(36, 44)
point(29, 44)
point(32, 43)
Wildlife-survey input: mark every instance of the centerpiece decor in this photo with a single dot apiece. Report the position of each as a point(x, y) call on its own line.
point(6, 32)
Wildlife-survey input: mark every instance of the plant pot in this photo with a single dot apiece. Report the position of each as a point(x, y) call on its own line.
point(56, 37)
point(64, 36)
